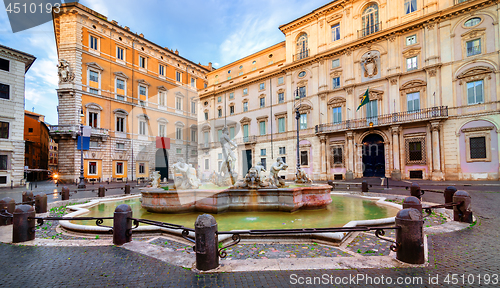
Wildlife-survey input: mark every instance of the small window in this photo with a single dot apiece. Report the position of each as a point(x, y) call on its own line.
point(206, 115)
point(219, 99)
point(120, 84)
point(178, 133)
point(142, 128)
point(231, 95)
point(120, 146)
point(262, 102)
point(179, 150)
point(254, 62)
point(336, 83)
point(281, 80)
point(229, 77)
point(162, 129)
point(142, 168)
point(4, 130)
point(193, 107)
point(207, 164)
point(93, 119)
point(475, 92)
point(93, 76)
point(119, 168)
point(281, 98)
point(93, 43)
point(303, 121)
point(4, 64)
point(411, 63)
point(410, 6)
point(245, 91)
point(3, 162)
point(4, 91)
point(410, 40)
point(282, 150)
point(302, 74)
point(473, 47)
point(193, 136)
point(161, 70)
point(263, 152)
point(119, 53)
point(193, 82)
point(92, 168)
point(94, 91)
point(337, 115)
point(178, 76)
point(281, 125)
point(477, 147)
point(335, 32)
point(3, 179)
point(241, 67)
point(142, 90)
point(120, 124)
point(335, 63)
point(245, 106)
point(204, 85)
point(302, 92)
point(413, 101)
point(472, 22)
point(415, 150)
point(142, 62)
point(241, 73)
point(219, 113)
point(338, 156)
point(304, 158)
point(178, 103)
point(262, 128)
point(262, 86)
point(231, 110)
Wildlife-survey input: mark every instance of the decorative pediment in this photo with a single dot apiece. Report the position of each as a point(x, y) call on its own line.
point(334, 18)
point(281, 114)
point(121, 75)
point(305, 108)
point(93, 106)
point(474, 33)
point(245, 120)
point(179, 94)
point(302, 83)
point(162, 88)
point(162, 120)
point(411, 52)
point(143, 116)
point(336, 73)
point(262, 95)
point(179, 124)
point(260, 118)
point(337, 101)
point(413, 84)
point(475, 73)
point(120, 111)
point(94, 65)
point(373, 94)
point(143, 82)
point(281, 90)
point(206, 128)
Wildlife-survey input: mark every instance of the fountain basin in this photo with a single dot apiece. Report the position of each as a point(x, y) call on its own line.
point(214, 201)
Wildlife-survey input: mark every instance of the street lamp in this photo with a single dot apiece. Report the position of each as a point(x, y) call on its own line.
point(81, 185)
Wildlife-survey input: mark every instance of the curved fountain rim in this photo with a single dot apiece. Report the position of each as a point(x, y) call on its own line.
point(338, 236)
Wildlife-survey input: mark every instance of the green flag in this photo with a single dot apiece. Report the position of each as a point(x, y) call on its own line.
point(364, 100)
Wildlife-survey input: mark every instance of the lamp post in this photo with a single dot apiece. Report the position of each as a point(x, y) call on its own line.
point(81, 185)
point(297, 117)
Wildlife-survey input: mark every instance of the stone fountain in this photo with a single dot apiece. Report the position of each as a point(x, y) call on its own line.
point(255, 192)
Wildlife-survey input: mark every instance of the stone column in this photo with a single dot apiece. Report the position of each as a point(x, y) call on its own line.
point(349, 175)
point(322, 139)
point(436, 153)
point(396, 172)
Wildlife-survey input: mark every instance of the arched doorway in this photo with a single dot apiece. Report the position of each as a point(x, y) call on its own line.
point(373, 156)
point(161, 163)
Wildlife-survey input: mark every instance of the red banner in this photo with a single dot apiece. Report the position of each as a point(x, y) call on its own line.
point(162, 143)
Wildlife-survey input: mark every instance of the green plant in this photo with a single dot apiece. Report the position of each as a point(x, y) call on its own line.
point(96, 236)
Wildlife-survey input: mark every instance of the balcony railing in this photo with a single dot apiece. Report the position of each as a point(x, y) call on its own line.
point(383, 120)
point(75, 129)
point(369, 30)
point(301, 55)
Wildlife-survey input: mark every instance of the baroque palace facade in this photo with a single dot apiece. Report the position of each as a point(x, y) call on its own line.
point(138, 98)
point(432, 72)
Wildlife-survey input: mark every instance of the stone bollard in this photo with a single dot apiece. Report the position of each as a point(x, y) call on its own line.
point(448, 195)
point(412, 202)
point(9, 205)
point(207, 254)
point(122, 225)
point(415, 191)
point(28, 198)
point(127, 189)
point(364, 186)
point(410, 236)
point(462, 212)
point(24, 228)
point(65, 193)
point(41, 203)
point(102, 191)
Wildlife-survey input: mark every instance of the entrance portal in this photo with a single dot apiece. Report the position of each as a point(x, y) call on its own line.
point(373, 156)
point(162, 163)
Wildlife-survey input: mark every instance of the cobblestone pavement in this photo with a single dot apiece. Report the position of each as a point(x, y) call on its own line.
point(468, 252)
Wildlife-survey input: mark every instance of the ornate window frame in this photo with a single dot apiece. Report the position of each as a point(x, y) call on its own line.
point(413, 86)
point(473, 34)
point(421, 137)
point(333, 145)
point(281, 90)
point(279, 115)
point(475, 74)
point(336, 102)
point(478, 132)
point(263, 119)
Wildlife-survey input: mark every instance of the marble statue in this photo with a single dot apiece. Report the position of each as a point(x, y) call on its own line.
point(252, 181)
point(260, 168)
point(64, 72)
point(155, 179)
point(274, 178)
point(302, 177)
point(187, 178)
point(227, 175)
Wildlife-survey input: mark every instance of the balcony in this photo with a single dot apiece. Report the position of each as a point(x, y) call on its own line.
point(72, 131)
point(245, 140)
point(433, 113)
point(370, 30)
point(301, 55)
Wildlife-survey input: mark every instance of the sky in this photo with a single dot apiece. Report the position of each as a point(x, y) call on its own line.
point(202, 31)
